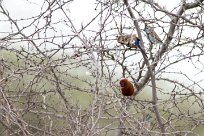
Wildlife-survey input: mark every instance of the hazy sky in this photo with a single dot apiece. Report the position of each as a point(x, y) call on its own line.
point(81, 11)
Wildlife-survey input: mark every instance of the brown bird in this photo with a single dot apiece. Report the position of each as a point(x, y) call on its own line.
point(128, 40)
point(127, 87)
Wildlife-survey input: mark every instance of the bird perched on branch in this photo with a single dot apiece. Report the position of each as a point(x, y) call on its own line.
point(127, 40)
point(127, 87)
point(152, 35)
point(147, 119)
point(131, 41)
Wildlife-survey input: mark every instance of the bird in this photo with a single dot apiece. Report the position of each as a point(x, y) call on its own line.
point(147, 119)
point(152, 35)
point(137, 44)
point(127, 40)
point(131, 41)
point(127, 87)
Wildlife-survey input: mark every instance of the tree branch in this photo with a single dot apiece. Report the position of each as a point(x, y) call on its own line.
point(150, 70)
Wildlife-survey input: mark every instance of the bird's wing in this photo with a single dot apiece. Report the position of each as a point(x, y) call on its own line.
point(155, 35)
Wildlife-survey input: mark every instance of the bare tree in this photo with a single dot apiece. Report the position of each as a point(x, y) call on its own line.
point(59, 76)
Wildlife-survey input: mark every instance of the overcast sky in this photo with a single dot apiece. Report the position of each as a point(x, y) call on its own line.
point(81, 11)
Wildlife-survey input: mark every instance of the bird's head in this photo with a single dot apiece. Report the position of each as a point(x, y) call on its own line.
point(147, 28)
point(123, 82)
point(148, 118)
point(137, 42)
point(120, 39)
point(138, 39)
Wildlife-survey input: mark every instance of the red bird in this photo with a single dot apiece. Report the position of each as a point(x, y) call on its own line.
point(127, 87)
